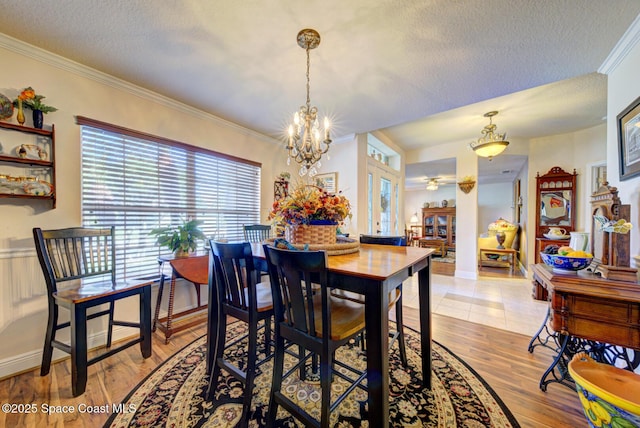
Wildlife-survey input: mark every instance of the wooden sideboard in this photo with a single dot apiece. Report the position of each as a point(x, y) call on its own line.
point(586, 306)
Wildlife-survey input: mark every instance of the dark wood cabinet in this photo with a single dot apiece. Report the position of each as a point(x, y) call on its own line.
point(440, 223)
point(27, 163)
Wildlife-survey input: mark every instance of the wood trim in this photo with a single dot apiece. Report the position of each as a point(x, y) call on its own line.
point(85, 121)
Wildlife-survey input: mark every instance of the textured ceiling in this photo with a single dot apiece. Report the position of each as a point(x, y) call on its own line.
point(399, 66)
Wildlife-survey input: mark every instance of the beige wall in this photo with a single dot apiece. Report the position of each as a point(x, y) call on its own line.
point(575, 150)
point(76, 90)
point(623, 89)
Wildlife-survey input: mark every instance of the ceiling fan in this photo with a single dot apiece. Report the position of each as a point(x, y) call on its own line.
point(434, 182)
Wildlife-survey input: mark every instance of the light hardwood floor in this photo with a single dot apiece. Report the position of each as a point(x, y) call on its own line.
point(499, 356)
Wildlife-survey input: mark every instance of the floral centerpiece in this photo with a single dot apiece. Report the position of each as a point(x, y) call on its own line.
point(29, 99)
point(309, 214)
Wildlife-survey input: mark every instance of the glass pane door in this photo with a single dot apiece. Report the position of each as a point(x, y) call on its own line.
point(385, 207)
point(382, 202)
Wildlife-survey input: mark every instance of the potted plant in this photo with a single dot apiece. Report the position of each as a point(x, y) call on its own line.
point(181, 239)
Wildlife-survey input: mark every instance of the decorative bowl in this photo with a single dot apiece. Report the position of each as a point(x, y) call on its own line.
point(565, 264)
point(610, 396)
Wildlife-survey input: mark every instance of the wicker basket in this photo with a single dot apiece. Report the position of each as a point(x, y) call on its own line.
point(311, 234)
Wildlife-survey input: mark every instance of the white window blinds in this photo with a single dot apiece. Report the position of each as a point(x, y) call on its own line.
point(138, 182)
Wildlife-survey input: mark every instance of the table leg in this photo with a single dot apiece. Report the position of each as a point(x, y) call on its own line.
point(213, 320)
point(145, 321)
point(172, 292)
point(377, 324)
point(424, 296)
point(158, 302)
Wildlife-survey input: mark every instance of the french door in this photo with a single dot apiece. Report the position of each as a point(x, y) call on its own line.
point(382, 201)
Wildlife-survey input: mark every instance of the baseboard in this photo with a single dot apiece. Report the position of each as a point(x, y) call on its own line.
point(31, 360)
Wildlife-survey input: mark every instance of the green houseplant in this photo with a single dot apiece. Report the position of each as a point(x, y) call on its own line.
point(181, 239)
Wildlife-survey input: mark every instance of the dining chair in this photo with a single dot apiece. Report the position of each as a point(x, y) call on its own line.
point(79, 270)
point(256, 232)
point(395, 296)
point(233, 282)
point(313, 320)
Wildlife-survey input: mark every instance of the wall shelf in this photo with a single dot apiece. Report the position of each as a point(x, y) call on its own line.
point(28, 178)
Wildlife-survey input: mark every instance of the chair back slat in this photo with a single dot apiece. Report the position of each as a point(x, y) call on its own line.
point(73, 253)
point(383, 240)
point(293, 274)
point(256, 232)
point(233, 273)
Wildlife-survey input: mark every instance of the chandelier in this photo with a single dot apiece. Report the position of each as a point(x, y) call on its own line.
point(491, 143)
point(432, 184)
point(307, 143)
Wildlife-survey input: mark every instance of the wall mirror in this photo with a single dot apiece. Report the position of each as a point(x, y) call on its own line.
point(555, 201)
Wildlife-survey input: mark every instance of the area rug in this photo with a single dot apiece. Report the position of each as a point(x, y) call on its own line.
point(174, 394)
point(450, 257)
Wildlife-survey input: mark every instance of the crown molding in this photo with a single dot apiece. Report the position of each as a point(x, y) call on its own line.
point(39, 54)
point(627, 42)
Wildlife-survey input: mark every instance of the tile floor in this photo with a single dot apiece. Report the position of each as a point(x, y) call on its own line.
point(504, 303)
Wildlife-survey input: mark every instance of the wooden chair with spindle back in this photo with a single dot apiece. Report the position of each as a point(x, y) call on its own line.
point(256, 232)
point(311, 318)
point(234, 291)
point(79, 270)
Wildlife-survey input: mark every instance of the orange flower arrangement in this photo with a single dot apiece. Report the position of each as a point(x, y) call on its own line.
point(29, 99)
point(309, 204)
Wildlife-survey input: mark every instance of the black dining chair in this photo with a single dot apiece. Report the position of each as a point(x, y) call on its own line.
point(234, 291)
point(395, 296)
point(311, 318)
point(256, 232)
point(383, 240)
point(70, 258)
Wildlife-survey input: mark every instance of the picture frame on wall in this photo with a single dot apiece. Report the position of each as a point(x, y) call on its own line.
point(629, 140)
point(280, 189)
point(329, 181)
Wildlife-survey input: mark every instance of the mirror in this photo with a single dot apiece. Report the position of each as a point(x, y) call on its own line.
point(555, 208)
point(555, 201)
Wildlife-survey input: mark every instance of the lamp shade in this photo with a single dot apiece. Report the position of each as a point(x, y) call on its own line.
point(490, 149)
point(491, 143)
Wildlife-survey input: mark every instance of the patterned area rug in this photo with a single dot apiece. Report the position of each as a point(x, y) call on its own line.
point(173, 395)
point(449, 258)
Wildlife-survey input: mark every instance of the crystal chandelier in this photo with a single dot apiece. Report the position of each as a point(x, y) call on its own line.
point(491, 143)
point(432, 184)
point(307, 143)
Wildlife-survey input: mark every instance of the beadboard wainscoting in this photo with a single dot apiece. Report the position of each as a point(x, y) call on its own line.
point(23, 311)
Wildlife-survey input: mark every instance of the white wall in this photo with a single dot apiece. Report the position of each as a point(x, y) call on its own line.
point(575, 150)
point(623, 89)
point(77, 90)
point(495, 201)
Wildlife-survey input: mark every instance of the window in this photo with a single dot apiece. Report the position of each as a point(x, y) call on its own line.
point(138, 182)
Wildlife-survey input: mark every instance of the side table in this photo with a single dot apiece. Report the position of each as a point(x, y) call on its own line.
point(438, 244)
point(510, 252)
point(194, 269)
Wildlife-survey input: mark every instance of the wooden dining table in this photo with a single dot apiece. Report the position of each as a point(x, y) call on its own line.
point(373, 271)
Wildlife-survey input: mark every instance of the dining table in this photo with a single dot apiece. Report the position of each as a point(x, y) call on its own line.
point(373, 271)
